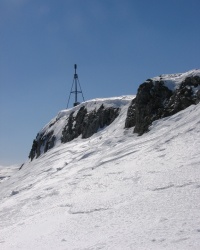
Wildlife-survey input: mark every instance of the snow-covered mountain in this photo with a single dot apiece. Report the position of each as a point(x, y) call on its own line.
point(112, 189)
point(156, 98)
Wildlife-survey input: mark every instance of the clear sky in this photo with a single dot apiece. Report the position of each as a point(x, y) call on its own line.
point(117, 45)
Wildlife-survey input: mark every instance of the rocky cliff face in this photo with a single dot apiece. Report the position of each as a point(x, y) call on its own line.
point(79, 122)
point(43, 142)
point(87, 123)
point(162, 96)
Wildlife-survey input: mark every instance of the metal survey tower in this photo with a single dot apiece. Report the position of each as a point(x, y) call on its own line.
point(75, 89)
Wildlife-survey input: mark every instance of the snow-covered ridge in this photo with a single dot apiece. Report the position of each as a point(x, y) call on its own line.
point(84, 119)
point(57, 124)
point(90, 105)
point(173, 81)
point(153, 101)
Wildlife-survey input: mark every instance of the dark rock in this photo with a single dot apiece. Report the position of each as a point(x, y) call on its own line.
point(74, 125)
point(131, 118)
point(33, 151)
point(42, 140)
point(87, 123)
point(14, 192)
point(68, 132)
point(198, 96)
point(147, 106)
point(90, 124)
point(49, 141)
point(155, 101)
point(21, 166)
point(79, 120)
point(184, 96)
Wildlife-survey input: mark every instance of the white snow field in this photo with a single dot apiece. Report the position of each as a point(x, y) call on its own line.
point(7, 171)
point(114, 190)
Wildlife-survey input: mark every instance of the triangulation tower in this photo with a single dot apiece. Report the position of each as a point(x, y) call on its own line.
point(75, 89)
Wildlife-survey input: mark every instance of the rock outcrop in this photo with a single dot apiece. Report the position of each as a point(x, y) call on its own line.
point(45, 141)
point(87, 123)
point(154, 100)
point(80, 123)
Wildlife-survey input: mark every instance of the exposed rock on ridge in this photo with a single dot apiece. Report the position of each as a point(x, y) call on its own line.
point(80, 123)
point(86, 124)
point(42, 141)
point(156, 100)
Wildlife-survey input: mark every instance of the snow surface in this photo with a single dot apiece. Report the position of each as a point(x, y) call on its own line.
point(114, 190)
point(7, 171)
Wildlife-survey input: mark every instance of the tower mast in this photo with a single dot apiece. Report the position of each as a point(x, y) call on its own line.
point(76, 91)
point(77, 88)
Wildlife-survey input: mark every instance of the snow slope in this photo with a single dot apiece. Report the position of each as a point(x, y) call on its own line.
point(114, 190)
point(7, 171)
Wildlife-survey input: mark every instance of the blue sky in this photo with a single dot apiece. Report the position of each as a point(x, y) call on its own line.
point(117, 45)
